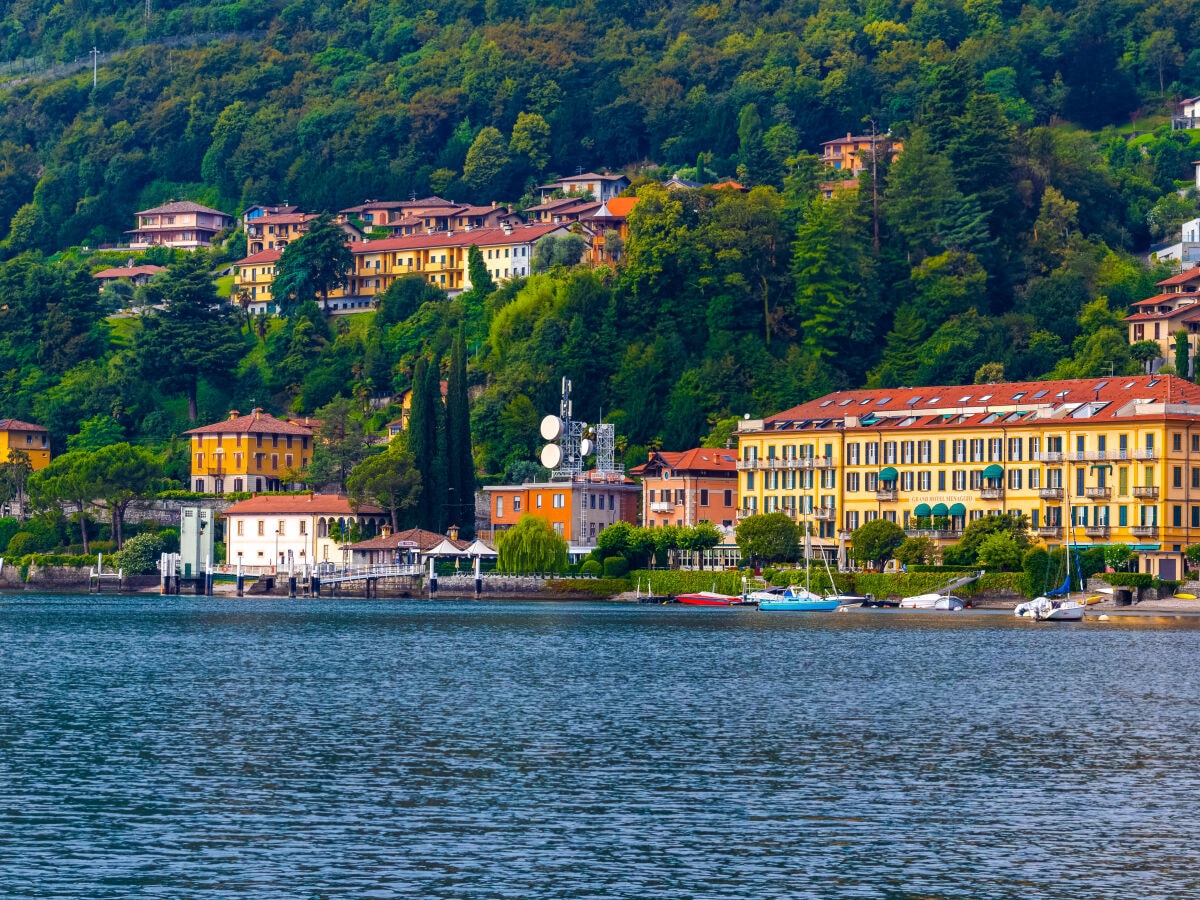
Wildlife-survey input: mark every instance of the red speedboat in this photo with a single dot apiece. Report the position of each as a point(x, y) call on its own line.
point(710, 598)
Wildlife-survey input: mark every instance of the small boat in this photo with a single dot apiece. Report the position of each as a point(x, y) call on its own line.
point(712, 598)
point(1047, 609)
point(932, 601)
point(793, 600)
point(1177, 596)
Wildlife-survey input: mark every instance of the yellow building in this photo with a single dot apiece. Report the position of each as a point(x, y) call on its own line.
point(1088, 461)
point(32, 440)
point(248, 453)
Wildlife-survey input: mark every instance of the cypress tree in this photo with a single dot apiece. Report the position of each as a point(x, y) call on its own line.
point(435, 438)
point(422, 443)
point(460, 475)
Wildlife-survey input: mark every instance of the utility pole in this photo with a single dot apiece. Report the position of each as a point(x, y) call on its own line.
point(95, 65)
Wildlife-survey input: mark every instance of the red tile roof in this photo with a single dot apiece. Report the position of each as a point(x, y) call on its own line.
point(183, 206)
point(894, 405)
point(129, 271)
point(262, 256)
point(257, 422)
point(701, 459)
point(425, 540)
point(478, 236)
point(1182, 278)
point(18, 425)
point(316, 504)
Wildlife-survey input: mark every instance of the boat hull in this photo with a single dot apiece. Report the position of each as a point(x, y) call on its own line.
point(709, 599)
point(1043, 609)
point(799, 605)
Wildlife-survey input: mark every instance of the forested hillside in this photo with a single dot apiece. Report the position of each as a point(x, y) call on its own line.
point(1038, 159)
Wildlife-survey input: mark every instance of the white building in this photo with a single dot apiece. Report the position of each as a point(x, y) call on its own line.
point(279, 531)
point(1185, 251)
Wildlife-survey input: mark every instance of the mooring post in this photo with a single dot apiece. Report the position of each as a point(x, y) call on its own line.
point(432, 579)
point(241, 580)
point(478, 580)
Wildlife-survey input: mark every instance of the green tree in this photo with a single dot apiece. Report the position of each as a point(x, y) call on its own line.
point(1183, 354)
point(339, 443)
point(916, 551)
point(120, 475)
point(551, 251)
point(425, 442)
point(14, 478)
point(486, 160)
point(531, 140)
point(876, 541)
point(194, 336)
point(999, 551)
point(481, 279)
point(460, 457)
point(140, 554)
point(96, 432)
point(312, 265)
point(530, 546)
point(770, 537)
point(65, 482)
point(966, 551)
point(388, 479)
point(699, 539)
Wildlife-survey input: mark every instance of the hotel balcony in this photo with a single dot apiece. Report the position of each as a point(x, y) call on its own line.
point(1144, 531)
point(799, 462)
point(1097, 493)
point(1145, 493)
point(991, 493)
point(1048, 531)
point(1145, 454)
point(884, 495)
point(1048, 456)
point(1096, 531)
point(823, 513)
point(1050, 493)
point(662, 506)
point(937, 534)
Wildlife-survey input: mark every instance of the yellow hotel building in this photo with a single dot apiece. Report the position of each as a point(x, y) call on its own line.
point(1089, 462)
point(247, 453)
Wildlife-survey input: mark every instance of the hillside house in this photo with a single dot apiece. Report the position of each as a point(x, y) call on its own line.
point(180, 224)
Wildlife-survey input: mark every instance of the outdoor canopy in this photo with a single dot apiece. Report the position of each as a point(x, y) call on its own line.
point(921, 511)
point(939, 509)
point(887, 474)
point(993, 471)
point(958, 510)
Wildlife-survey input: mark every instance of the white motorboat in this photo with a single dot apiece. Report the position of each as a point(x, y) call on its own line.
point(940, 599)
point(1049, 609)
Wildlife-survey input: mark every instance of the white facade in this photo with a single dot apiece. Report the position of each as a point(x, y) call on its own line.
point(284, 537)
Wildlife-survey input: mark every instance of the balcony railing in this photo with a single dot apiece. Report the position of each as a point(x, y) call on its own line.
point(938, 534)
point(662, 506)
point(1097, 493)
point(1097, 455)
point(799, 462)
point(1048, 531)
point(991, 493)
point(823, 513)
point(1144, 531)
point(1050, 493)
point(1146, 493)
point(884, 495)
point(1096, 531)
point(1145, 454)
point(1047, 456)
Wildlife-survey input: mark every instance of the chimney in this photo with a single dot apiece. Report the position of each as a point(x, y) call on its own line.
point(385, 530)
point(233, 414)
point(257, 411)
point(452, 532)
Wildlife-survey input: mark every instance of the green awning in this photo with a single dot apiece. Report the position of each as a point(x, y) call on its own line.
point(1147, 548)
point(922, 510)
point(958, 510)
point(888, 474)
point(994, 471)
point(939, 509)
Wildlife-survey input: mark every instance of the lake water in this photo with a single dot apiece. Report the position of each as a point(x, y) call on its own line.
point(216, 748)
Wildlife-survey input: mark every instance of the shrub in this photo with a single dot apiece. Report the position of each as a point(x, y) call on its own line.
point(591, 567)
point(139, 555)
point(1034, 566)
point(999, 550)
point(23, 543)
point(8, 527)
point(616, 567)
point(601, 587)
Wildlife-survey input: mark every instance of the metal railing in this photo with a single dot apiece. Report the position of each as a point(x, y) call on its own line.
point(1097, 493)
point(1050, 493)
point(1144, 531)
point(1145, 492)
point(1048, 531)
point(886, 496)
point(991, 493)
point(1096, 531)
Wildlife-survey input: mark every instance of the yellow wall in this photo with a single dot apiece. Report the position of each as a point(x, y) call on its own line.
point(1143, 494)
point(248, 457)
point(35, 444)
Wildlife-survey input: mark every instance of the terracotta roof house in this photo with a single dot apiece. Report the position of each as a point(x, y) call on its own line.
point(32, 440)
point(601, 187)
point(180, 224)
point(256, 452)
point(1177, 308)
point(689, 487)
point(132, 274)
point(293, 530)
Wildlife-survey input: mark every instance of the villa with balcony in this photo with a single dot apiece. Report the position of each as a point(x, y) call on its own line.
point(688, 487)
point(180, 224)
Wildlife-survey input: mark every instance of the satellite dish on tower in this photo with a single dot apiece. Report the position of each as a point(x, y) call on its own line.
point(551, 428)
point(551, 454)
point(585, 447)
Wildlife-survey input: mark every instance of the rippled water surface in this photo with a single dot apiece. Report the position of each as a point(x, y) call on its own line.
point(218, 748)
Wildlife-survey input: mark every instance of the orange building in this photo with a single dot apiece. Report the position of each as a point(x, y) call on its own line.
point(853, 152)
point(578, 510)
point(248, 453)
point(688, 488)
